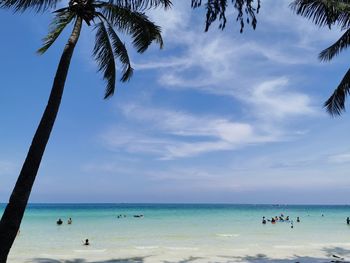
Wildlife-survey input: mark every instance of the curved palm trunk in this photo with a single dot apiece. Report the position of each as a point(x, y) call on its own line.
point(13, 214)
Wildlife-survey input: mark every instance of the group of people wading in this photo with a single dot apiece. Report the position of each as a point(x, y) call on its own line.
point(280, 218)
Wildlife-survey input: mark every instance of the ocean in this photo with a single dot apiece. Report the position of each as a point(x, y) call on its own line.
point(181, 233)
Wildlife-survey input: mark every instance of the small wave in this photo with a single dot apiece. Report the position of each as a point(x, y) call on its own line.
point(227, 235)
point(288, 246)
point(147, 247)
point(90, 250)
point(182, 248)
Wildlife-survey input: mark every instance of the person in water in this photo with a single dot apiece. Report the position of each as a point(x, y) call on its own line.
point(273, 220)
point(298, 219)
point(348, 220)
point(70, 221)
point(59, 221)
point(263, 220)
point(86, 243)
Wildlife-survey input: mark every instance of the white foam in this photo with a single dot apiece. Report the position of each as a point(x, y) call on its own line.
point(182, 248)
point(90, 250)
point(288, 246)
point(227, 235)
point(147, 247)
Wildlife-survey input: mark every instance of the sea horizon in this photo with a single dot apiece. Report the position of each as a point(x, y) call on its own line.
point(183, 203)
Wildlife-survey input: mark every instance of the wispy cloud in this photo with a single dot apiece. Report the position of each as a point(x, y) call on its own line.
point(174, 134)
point(339, 158)
point(6, 167)
point(273, 99)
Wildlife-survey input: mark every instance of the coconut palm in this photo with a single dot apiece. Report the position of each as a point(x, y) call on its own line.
point(330, 13)
point(107, 18)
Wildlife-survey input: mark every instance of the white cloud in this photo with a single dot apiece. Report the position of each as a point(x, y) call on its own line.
point(6, 167)
point(339, 158)
point(174, 134)
point(272, 99)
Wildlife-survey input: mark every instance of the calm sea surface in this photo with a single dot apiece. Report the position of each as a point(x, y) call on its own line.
point(178, 231)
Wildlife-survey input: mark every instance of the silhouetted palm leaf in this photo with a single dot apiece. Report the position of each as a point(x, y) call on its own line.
point(104, 56)
point(139, 5)
point(342, 43)
point(61, 20)
point(121, 52)
point(43, 5)
point(324, 12)
point(328, 13)
point(142, 31)
point(216, 10)
point(22, 5)
point(335, 105)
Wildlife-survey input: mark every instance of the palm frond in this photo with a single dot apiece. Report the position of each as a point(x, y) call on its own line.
point(103, 54)
point(23, 5)
point(335, 105)
point(216, 10)
point(342, 43)
point(121, 52)
point(140, 5)
point(61, 20)
point(324, 12)
point(142, 31)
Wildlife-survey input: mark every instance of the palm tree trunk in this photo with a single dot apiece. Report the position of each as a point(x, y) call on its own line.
point(13, 214)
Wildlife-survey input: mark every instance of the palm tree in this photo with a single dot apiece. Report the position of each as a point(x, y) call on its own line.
point(126, 16)
point(329, 13)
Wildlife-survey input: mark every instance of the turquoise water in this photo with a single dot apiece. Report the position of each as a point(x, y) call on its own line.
point(169, 231)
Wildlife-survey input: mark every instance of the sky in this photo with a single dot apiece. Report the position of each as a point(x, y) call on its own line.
point(216, 117)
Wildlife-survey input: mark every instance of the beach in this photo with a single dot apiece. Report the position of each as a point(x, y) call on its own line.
point(181, 233)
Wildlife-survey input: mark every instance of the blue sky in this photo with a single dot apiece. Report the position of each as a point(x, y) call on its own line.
point(213, 117)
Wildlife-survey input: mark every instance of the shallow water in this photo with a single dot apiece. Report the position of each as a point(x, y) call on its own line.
point(174, 233)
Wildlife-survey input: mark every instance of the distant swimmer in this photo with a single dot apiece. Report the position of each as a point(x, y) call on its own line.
point(291, 224)
point(348, 220)
point(138, 216)
point(298, 219)
point(273, 221)
point(86, 242)
point(263, 220)
point(287, 218)
point(59, 221)
point(70, 221)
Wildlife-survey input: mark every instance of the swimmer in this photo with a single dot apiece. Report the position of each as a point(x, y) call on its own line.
point(86, 242)
point(138, 216)
point(298, 219)
point(59, 221)
point(348, 220)
point(263, 220)
point(70, 221)
point(273, 220)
